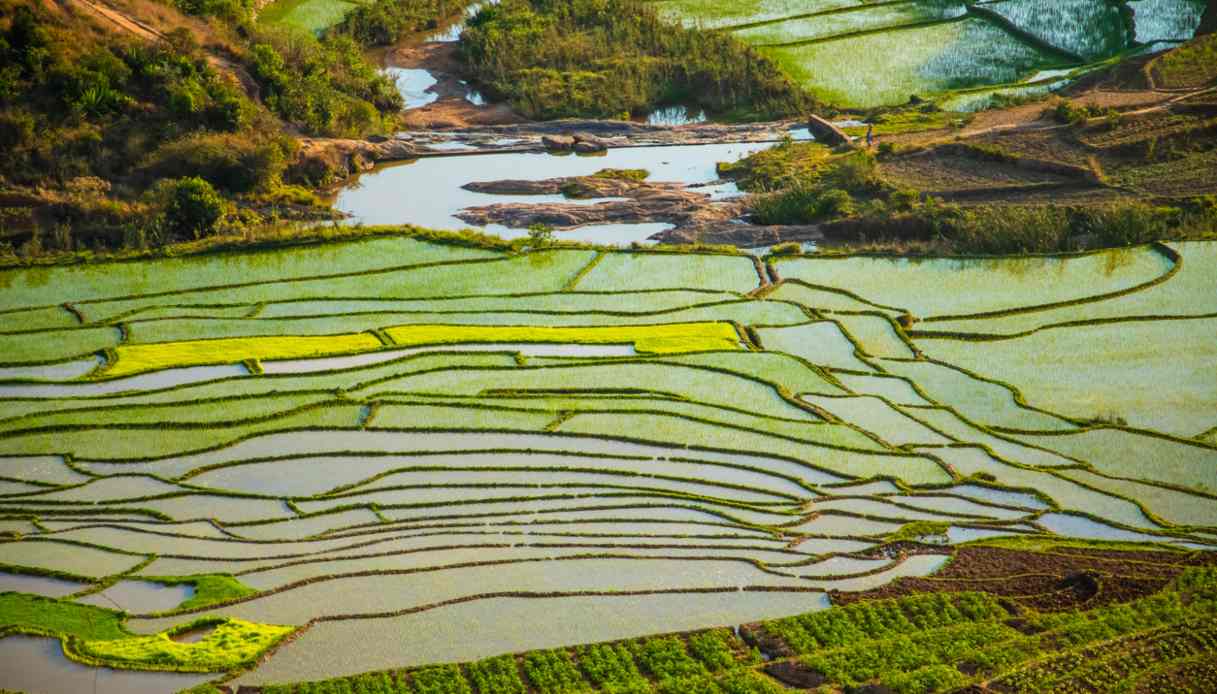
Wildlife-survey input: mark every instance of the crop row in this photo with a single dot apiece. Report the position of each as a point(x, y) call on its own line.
point(1104, 669)
point(864, 621)
point(708, 662)
point(891, 659)
point(664, 338)
point(1094, 650)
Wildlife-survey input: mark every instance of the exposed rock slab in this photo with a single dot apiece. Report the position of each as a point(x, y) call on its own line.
point(645, 202)
point(589, 136)
point(741, 234)
point(695, 216)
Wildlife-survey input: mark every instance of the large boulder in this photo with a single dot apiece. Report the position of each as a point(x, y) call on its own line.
point(827, 133)
point(561, 143)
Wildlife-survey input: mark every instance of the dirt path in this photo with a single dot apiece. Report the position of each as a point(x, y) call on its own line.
point(124, 22)
point(1031, 116)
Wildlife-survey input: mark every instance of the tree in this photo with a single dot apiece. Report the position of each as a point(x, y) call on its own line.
point(192, 207)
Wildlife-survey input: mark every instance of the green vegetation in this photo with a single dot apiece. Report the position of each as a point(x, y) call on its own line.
point(782, 166)
point(930, 642)
point(30, 614)
point(384, 22)
point(623, 174)
point(324, 86)
point(93, 122)
point(96, 636)
point(863, 55)
point(915, 644)
point(910, 119)
point(229, 644)
point(831, 191)
point(208, 589)
point(807, 183)
point(1191, 65)
point(605, 58)
point(1012, 230)
point(782, 428)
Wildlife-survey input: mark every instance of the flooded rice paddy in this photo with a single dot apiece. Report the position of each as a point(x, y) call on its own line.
point(603, 491)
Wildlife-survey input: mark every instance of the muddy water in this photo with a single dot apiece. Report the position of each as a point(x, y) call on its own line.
point(62, 371)
point(38, 666)
point(507, 625)
point(140, 596)
point(428, 192)
point(167, 378)
point(156, 380)
point(414, 85)
point(38, 585)
point(453, 32)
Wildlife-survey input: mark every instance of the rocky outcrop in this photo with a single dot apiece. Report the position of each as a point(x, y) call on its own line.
point(741, 234)
point(572, 187)
point(589, 136)
point(325, 161)
point(671, 203)
point(696, 218)
point(583, 143)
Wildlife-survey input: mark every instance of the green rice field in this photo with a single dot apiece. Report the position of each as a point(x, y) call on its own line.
point(864, 53)
point(404, 466)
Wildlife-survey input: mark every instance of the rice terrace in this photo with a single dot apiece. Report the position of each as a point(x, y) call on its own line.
point(608, 346)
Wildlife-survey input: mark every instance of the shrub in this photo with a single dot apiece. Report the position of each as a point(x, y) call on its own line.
point(540, 235)
point(787, 248)
point(856, 173)
point(234, 163)
point(637, 175)
point(384, 22)
point(834, 203)
point(796, 205)
point(192, 207)
point(233, 11)
point(326, 86)
point(1125, 225)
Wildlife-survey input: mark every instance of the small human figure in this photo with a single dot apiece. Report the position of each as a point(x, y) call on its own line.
point(870, 134)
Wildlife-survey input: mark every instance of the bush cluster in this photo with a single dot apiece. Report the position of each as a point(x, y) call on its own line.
point(384, 22)
point(72, 108)
point(827, 193)
point(601, 58)
point(324, 86)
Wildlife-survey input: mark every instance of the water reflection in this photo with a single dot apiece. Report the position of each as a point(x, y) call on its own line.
point(38, 666)
point(414, 85)
point(453, 32)
point(428, 192)
point(140, 596)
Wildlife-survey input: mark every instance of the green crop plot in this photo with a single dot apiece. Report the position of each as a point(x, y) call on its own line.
point(861, 19)
point(888, 66)
point(304, 467)
point(310, 15)
point(957, 287)
point(1088, 29)
point(1105, 371)
point(860, 54)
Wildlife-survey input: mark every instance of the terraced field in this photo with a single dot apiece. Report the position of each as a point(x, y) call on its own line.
point(388, 454)
point(864, 53)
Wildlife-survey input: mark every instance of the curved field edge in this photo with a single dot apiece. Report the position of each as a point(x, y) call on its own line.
point(899, 636)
